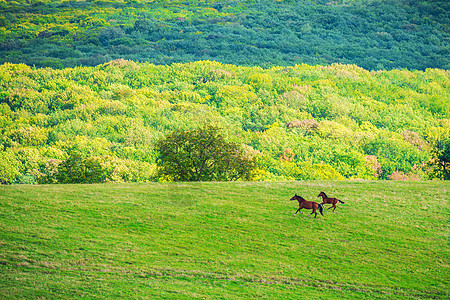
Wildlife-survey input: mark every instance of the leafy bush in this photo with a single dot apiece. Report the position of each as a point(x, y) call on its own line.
point(440, 157)
point(77, 169)
point(9, 167)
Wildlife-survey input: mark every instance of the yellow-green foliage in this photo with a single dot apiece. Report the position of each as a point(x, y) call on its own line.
point(306, 122)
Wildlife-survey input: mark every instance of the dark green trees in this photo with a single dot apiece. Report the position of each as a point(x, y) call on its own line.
point(376, 34)
point(202, 155)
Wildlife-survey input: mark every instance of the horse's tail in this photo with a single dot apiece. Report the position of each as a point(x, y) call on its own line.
point(321, 209)
point(340, 201)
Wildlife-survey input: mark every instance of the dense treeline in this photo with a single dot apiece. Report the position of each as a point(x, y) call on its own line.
point(375, 35)
point(90, 124)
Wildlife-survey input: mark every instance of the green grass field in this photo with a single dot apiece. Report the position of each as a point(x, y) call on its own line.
point(239, 240)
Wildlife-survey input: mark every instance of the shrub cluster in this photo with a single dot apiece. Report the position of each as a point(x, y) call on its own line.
point(104, 123)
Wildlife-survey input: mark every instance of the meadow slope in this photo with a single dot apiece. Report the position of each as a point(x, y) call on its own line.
point(217, 240)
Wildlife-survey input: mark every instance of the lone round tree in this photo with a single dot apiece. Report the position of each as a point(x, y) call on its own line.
point(202, 155)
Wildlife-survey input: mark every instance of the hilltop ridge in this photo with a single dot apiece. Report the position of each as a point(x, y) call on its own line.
point(375, 35)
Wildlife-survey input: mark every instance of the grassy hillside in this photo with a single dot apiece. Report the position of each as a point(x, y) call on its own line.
point(375, 35)
point(224, 240)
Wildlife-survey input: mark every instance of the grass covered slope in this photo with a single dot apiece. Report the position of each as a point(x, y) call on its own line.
point(224, 240)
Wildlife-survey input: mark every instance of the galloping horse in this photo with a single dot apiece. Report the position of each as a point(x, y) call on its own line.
point(327, 200)
point(302, 203)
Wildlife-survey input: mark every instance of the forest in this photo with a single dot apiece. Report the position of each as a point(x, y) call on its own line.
point(300, 122)
point(308, 89)
point(374, 34)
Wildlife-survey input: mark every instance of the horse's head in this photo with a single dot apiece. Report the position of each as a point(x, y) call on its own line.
point(297, 197)
point(322, 194)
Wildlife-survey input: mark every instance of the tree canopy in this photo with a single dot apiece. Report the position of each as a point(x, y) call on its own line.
point(202, 154)
point(301, 121)
point(375, 35)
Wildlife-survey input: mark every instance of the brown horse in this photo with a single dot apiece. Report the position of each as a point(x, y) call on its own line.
point(302, 203)
point(327, 200)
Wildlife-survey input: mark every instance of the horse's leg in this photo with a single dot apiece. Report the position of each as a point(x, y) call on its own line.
point(314, 208)
point(321, 209)
point(298, 210)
